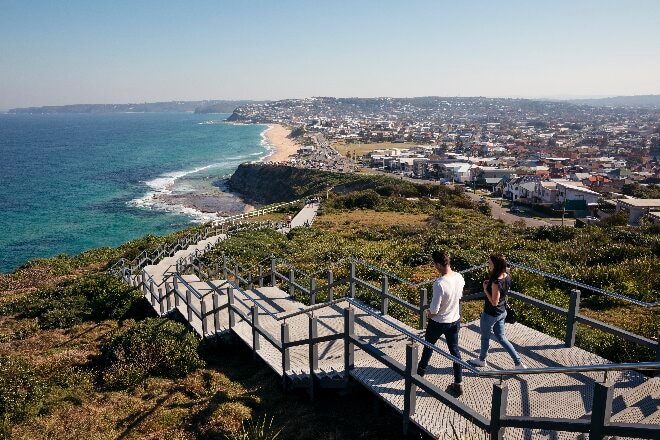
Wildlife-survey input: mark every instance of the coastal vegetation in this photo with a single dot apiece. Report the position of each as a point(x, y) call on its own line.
point(81, 355)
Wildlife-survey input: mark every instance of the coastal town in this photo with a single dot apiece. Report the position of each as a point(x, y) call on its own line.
point(555, 158)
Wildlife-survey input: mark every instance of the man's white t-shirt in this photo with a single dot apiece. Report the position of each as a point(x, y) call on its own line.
point(447, 292)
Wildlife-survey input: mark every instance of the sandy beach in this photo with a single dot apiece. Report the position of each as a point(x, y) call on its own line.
point(283, 147)
point(220, 200)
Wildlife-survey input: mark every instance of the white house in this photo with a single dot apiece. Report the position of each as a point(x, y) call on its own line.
point(521, 189)
point(545, 193)
point(638, 208)
point(572, 191)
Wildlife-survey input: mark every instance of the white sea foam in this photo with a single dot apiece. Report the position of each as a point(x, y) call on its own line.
point(270, 149)
point(163, 186)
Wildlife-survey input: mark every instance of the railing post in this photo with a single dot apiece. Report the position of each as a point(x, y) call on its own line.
point(224, 266)
point(410, 393)
point(313, 355)
point(216, 312)
point(230, 307)
point(384, 291)
point(249, 281)
point(152, 294)
point(217, 271)
point(571, 318)
point(176, 291)
point(312, 291)
point(331, 290)
point(161, 305)
point(273, 280)
point(423, 301)
point(168, 296)
point(349, 348)
point(351, 281)
point(261, 276)
point(202, 309)
point(236, 274)
point(286, 357)
point(255, 334)
point(498, 411)
point(188, 305)
point(601, 410)
point(292, 279)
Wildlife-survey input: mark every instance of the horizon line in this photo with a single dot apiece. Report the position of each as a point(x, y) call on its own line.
point(531, 98)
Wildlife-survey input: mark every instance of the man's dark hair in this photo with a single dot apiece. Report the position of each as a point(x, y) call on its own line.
point(440, 257)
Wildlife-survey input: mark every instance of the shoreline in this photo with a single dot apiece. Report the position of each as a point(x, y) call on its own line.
point(219, 202)
point(281, 147)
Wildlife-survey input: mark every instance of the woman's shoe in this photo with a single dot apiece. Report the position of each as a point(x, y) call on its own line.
point(478, 362)
point(456, 389)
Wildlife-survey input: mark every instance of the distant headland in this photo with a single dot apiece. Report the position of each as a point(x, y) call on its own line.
point(228, 106)
point(209, 106)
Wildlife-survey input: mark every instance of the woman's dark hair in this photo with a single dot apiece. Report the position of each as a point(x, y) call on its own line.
point(499, 266)
point(440, 257)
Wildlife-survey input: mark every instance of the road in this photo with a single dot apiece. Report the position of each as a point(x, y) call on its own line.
point(499, 212)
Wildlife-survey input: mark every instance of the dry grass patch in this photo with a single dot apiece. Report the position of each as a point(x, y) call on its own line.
point(348, 222)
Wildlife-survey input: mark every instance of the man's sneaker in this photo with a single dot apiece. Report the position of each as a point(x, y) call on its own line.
point(520, 366)
point(421, 371)
point(456, 389)
point(478, 362)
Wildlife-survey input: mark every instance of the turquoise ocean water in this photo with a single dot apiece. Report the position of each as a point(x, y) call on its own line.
point(69, 183)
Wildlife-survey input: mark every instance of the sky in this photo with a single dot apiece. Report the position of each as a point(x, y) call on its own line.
point(65, 52)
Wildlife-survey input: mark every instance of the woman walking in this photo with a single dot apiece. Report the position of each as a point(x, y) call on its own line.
point(496, 288)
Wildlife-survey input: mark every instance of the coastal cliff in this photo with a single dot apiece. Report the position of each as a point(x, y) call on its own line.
point(261, 183)
point(266, 183)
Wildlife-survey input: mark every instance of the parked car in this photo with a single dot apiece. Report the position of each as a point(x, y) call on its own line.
point(517, 210)
point(468, 189)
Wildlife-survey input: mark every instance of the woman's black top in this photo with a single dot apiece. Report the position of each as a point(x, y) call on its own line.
point(504, 284)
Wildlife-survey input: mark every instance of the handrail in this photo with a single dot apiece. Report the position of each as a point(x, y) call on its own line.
point(646, 366)
point(164, 278)
point(496, 373)
point(188, 286)
point(410, 335)
point(253, 300)
point(584, 286)
point(310, 309)
point(147, 254)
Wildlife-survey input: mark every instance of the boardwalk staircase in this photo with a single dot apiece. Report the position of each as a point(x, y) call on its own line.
point(326, 331)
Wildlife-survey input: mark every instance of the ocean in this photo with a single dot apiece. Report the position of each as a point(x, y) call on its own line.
point(72, 182)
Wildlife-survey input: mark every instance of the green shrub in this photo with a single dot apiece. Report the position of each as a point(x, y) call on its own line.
point(99, 296)
point(21, 392)
point(553, 233)
point(153, 347)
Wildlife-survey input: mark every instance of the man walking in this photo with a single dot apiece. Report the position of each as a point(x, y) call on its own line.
point(444, 316)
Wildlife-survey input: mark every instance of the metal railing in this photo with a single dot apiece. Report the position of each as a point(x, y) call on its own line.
point(238, 301)
point(598, 425)
point(153, 255)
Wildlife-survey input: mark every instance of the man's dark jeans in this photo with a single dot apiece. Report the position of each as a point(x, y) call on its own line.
point(433, 333)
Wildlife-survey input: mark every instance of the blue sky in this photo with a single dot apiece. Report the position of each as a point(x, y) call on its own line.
point(64, 52)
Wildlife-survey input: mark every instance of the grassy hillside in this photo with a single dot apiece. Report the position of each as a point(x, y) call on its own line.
point(77, 356)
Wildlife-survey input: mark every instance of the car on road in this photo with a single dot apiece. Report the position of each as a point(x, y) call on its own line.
point(468, 189)
point(517, 210)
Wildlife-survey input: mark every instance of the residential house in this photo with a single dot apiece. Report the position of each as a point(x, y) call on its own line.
point(638, 208)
